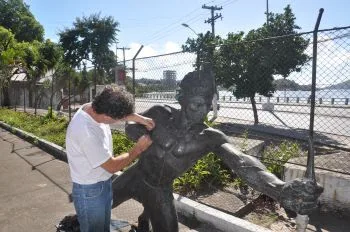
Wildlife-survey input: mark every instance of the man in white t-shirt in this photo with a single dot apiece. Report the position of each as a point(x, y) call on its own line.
point(89, 148)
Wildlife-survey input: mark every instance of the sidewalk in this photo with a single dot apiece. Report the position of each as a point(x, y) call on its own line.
point(35, 188)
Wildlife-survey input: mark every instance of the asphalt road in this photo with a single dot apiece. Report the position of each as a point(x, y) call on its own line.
point(332, 122)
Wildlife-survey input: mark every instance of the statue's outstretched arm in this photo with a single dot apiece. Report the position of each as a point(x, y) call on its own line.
point(251, 170)
point(300, 196)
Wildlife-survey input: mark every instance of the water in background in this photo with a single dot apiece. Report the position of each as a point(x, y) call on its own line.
point(327, 96)
point(326, 93)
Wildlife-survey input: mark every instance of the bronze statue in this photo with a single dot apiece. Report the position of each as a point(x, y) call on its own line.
point(180, 138)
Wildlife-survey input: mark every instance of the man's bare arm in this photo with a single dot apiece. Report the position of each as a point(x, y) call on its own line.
point(115, 164)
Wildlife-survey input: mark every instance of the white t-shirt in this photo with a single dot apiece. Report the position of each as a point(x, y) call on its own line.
point(88, 144)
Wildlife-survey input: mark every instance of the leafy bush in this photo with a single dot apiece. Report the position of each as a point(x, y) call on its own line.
point(50, 113)
point(207, 171)
point(275, 156)
point(244, 144)
point(121, 143)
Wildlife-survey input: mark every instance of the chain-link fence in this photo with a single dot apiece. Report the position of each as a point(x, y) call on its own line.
point(284, 112)
point(282, 64)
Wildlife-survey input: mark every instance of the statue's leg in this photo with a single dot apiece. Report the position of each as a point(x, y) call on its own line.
point(162, 212)
point(124, 187)
point(144, 224)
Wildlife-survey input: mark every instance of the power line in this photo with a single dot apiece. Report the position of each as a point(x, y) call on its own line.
point(174, 29)
point(174, 25)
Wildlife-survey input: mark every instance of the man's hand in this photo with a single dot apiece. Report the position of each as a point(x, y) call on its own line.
point(142, 144)
point(300, 195)
point(147, 122)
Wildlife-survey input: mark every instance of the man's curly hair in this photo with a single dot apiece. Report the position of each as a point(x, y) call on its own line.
point(114, 102)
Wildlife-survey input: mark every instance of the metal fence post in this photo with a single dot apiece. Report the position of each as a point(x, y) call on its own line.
point(303, 220)
point(133, 71)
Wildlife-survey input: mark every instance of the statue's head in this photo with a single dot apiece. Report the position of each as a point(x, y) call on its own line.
point(197, 83)
point(196, 93)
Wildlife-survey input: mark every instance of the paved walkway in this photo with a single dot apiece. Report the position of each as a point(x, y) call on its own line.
point(35, 188)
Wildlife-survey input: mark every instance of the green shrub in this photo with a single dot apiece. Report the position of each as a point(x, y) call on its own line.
point(121, 143)
point(275, 156)
point(207, 171)
point(244, 144)
point(50, 113)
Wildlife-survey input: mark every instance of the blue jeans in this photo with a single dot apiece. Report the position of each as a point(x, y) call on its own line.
point(93, 204)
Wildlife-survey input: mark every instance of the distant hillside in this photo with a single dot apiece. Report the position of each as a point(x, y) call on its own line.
point(282, 84)
point(343, 85)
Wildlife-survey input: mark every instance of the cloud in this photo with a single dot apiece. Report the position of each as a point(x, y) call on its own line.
point(172, 47)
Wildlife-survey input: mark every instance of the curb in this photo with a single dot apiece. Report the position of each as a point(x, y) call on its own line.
point(184, 206)
point(216, 218)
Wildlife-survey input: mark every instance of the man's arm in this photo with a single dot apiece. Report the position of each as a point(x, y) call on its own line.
point(134, 130)
point(115, 164)
point(140, 119)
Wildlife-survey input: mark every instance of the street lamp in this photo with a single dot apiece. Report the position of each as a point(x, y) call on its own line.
point(186, 25)
point(198, 46)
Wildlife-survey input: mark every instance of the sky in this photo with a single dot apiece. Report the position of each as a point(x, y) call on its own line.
point(156, 24)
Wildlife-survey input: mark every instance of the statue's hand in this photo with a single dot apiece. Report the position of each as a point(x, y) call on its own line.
point(300, 195)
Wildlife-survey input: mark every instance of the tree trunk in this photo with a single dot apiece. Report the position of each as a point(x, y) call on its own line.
point(6, 96)
point(69, 109)
point(255, 112)
point(30, 97)
point(51, 99)
point(35, 101)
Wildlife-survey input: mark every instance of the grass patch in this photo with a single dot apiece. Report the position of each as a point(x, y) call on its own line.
point(53, 128)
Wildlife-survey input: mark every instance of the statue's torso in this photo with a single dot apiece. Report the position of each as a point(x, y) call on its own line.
point(174, 150)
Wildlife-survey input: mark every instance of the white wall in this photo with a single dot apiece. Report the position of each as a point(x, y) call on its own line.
point(336, 194)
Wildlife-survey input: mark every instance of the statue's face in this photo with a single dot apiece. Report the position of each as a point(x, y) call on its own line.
point(196, 109)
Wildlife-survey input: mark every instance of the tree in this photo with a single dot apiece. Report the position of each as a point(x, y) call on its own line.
point(84, 82)
point(288, 51)
point(203, 46)
point(16, 16)
point(7, 61)
point(7, 39)
point(248, 63)
point(89, 40)
point(36, 59)
point(50, 54)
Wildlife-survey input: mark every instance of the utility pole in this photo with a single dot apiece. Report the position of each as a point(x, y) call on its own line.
point(212, 22)
point(116, 51)
point(213, 18)
point(123, 48)
point(120, 72)
point(267, 12)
